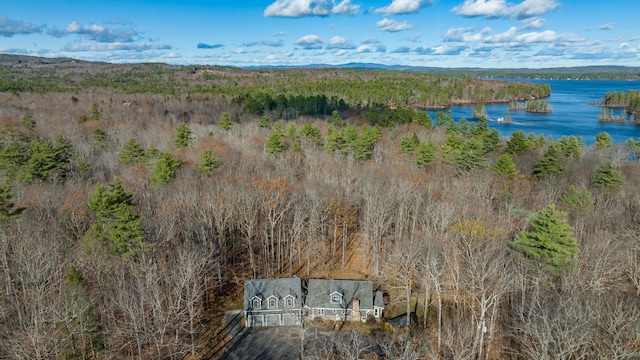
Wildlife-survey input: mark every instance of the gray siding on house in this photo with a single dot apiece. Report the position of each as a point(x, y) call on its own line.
point(273, 302)
point(280, 302)
point(318, 295)
point(322, 303)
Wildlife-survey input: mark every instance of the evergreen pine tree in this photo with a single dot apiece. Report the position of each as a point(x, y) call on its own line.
point(423, 119)
point(364, 141)
point(274, 145)
point(46, 158)
point(132, 152)
point(549, 242)
point(165, 168)
point(504, 165)
point(28, 122)
point(633, 148)
point(292, 132)
point(208, 162)
point(116, 223)
point(571, 147)
point(99, 138)
point(549, 163)
point(96, 111)
point(603, 140)
point(445, 120)
point(333, 139)
point(310, 133)
point(608, 177)
point(183, 137)
point(264, 122)
point(490, 140)
point(426, 154)
point(7, 206)
point(518, 143)
point(225, 121)
point(409, 142)
point(578, 198)
point(466, 153)
point(335, 119)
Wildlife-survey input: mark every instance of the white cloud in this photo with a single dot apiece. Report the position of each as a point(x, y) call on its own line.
point(393, 26)
point(243, 51)
point(370, 41)
point(273, 43)
point(401, 50)
point(115, 46)
point(415, 37)
point(607, 26)
point(310, 42)
point(502, 37)
point(531, 8)
point(485, 8)
point(533, 23)
point(364, 49)
point(545, 37)
point(439, 50)
point(339, 42)
point(97, 33)
point(555, 50)
point(300, 8)
point(465, 34)
point(398, 7)
point(499, 8)
point(345, 8)
point(8, 27)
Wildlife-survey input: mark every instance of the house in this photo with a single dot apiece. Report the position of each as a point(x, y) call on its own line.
point(350, 300)
point(280, 302)
point(273, 302)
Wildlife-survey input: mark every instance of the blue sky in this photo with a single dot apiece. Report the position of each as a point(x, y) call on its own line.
point(441, 33)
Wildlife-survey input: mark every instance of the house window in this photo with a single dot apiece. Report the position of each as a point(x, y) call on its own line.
point(257, 303)
point(320, 311)
point(273, 303)
point(336, 298)
point(288, 302)
point(376, 312)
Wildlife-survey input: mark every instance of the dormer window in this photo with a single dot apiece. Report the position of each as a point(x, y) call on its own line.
point(289, 301)
point(336, 298)
point(272, 302)
point(256, 303)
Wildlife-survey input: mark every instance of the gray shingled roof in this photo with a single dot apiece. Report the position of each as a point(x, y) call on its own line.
point(320, 289)
point(265, 288)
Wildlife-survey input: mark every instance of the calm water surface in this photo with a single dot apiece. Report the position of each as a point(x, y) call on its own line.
point(571, 115)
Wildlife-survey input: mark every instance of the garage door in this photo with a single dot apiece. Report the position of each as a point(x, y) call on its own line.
point(290, 319)
point(255, 320)
point(273, 320)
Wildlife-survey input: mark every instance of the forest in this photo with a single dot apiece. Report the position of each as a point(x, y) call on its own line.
point(136, 199)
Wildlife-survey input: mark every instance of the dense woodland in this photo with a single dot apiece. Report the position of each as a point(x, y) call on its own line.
point(136, 199)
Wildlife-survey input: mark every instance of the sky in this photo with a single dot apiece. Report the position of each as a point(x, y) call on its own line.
point(434, 33)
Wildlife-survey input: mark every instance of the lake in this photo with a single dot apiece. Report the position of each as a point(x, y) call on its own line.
point(571, 115)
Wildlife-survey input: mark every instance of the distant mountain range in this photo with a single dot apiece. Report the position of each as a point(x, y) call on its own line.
point(577, 72)
point(583, 70)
